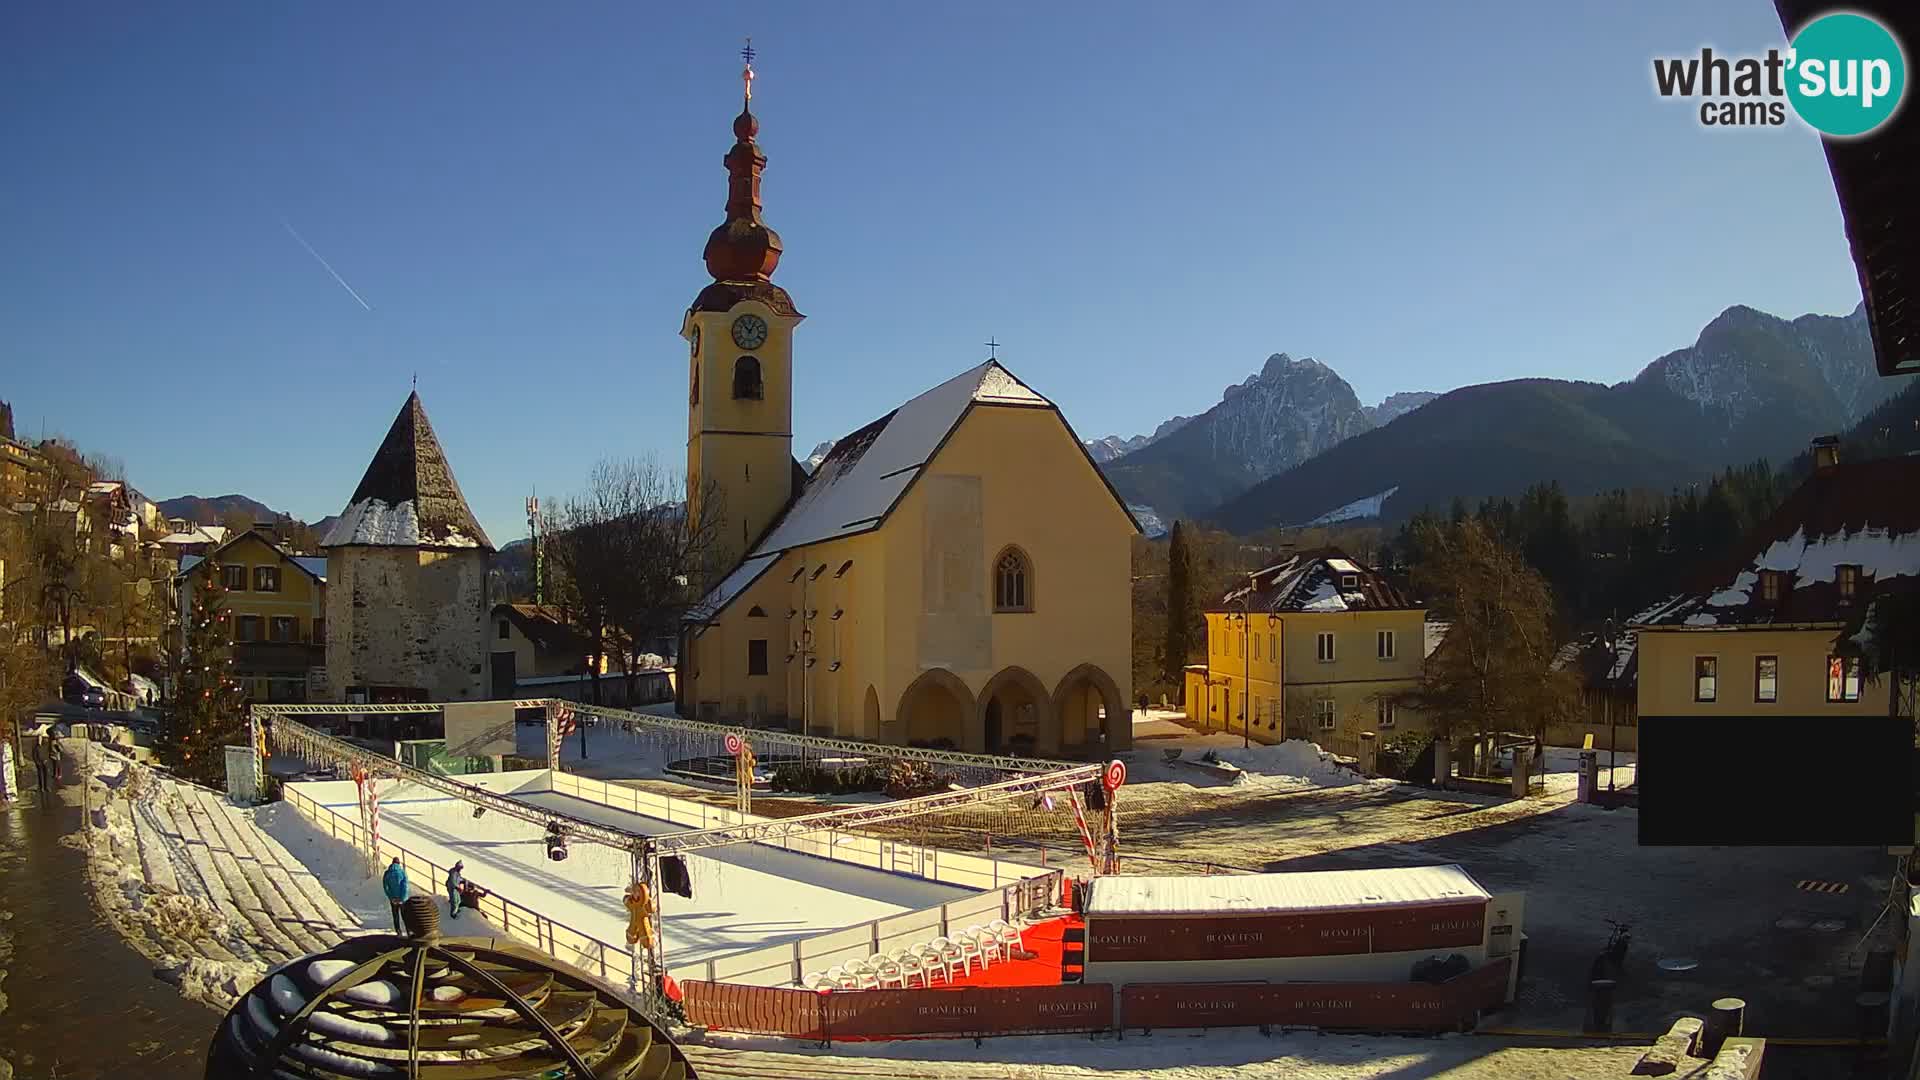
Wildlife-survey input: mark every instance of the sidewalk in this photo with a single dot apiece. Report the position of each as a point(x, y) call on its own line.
point(77, 1002)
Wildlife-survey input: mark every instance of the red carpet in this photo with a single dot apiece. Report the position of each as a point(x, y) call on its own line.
point(1043, 941)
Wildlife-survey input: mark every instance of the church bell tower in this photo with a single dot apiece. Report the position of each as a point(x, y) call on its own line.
point(739, 333)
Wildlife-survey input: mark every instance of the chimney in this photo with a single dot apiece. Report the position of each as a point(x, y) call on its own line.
point(1826, 452)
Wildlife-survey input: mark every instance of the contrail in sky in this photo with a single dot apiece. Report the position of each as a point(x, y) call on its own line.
point(324, 264)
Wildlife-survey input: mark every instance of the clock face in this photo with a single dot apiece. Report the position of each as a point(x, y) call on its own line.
point(749, 331)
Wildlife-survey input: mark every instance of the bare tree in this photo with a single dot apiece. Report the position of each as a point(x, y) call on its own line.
point(1494, 670)
point(628, 561)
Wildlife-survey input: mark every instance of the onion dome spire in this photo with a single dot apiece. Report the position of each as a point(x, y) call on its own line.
point(744, 248)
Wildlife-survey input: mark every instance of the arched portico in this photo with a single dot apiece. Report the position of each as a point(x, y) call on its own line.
point(1090, 717)
point(937, 708)
point(1016, 716)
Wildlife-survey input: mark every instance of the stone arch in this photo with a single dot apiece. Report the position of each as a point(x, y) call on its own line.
point(1017, 715)
point(870, 714)
point(1076, 701)
point(936, 707)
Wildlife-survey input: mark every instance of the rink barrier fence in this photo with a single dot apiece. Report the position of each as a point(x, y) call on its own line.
point(965, 1012)
point(774, 965)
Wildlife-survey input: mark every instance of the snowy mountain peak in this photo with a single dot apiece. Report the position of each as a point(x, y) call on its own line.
point(1397, 406)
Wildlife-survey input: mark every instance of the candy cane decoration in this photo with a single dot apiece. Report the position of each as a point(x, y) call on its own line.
point(373, 831)
point(1086, 836)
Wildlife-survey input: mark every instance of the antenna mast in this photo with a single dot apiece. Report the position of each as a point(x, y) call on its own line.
point(539, 549)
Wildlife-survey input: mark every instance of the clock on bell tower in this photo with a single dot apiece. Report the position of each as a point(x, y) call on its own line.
point(739, 334)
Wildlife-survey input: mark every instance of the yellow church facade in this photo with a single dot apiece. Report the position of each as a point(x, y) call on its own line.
point(954, 573)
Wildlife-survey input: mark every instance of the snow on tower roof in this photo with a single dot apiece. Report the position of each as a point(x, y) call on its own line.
point(1308, 890)
point(408, 497)
point(1324, 579)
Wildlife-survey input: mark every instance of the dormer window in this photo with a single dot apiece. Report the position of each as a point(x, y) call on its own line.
point(1349, 581)
point(1848, 579)
point(1772, 584)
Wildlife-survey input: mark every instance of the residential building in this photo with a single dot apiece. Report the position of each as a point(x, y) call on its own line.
point(532, 641)
point(953, 573)
point(1313, 648)
point(187, 538)
point(277, 604)
point(407, 564)
point(1766, 631)
point(25, 473)
point(1608, 670)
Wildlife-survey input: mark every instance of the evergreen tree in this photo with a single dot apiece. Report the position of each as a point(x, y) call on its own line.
point(1173, 658)
point(207, 710)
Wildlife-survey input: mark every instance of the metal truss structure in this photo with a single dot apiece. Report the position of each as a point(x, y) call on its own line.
point(296, 737)
point(1042, 776)
point(854, 816)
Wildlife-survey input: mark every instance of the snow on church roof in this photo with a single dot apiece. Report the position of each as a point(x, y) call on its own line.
point(865, 474)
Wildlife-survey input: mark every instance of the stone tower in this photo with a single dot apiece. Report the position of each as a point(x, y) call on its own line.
point(739, 331)
point(407, 578)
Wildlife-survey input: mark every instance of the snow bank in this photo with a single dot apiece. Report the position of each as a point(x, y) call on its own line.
point(1294, 764)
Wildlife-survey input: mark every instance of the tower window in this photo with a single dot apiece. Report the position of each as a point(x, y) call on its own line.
point(746, 379)
point(1012, 581)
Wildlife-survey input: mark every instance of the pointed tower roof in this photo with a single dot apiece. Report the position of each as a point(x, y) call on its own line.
point(408, 497)
point(743, 251)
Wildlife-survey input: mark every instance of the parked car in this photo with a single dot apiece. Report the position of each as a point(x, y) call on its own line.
point(78, 691)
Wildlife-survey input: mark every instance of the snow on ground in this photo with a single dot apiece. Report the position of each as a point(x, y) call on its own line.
point(1221, 1054)
point(1295, 764)
point(744, 897)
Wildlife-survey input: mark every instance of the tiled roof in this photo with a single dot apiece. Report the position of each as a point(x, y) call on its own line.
point(1863, 515)
point(408, 497)
point(546, 626)
point(1322, 580)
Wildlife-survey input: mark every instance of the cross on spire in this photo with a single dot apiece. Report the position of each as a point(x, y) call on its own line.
point(746, 74)
point(993, 349)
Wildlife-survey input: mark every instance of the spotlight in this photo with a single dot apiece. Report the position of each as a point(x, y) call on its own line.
point(477, 811)
point(556, 843)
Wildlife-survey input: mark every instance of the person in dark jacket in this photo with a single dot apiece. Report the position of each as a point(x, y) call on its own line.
point(453, 889)
point(395, 884)
point(40, 765)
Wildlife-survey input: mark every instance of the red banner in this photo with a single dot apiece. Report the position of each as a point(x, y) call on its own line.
point(1405, 1006)
point(763, 1010)
point(1118, 939)
point(983, 1010)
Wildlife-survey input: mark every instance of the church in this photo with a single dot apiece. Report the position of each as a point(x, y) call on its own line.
point(955, 573)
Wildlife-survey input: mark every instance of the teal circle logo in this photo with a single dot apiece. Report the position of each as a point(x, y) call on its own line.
point(1845, 74)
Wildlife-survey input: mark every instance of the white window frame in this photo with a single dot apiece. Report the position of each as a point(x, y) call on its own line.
point(1323, 647)
point(1386, 713)
point(1713, 690)
point(1383, 644)
point(1326, 714)
point(1774, 698)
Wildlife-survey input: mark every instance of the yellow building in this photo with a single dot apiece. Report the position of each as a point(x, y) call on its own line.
point(278, 605)
point(954, 573)
point(1772, 629)
point(1310, 649)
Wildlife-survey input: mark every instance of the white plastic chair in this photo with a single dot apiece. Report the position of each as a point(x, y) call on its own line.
point(911, 968)
point(840, 979)
point(818, 981)
point(864, 976)
point(1009, 936)
point(933, 963)
point(887, 970)
point(969, 940)
point(954, 949)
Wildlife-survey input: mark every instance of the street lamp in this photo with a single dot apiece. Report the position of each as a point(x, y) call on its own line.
point(1245, 617)
point(1610, 639)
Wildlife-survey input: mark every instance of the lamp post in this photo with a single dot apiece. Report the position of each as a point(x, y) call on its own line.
point(1610, 639)
point(1245, 616)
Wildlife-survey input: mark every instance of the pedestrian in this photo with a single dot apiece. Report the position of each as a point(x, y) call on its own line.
point(53, 756)
point(40, 765)
point(395, 884)
point(453, 889)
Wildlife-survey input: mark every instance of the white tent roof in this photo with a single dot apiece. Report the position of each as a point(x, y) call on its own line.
point(1312, 890)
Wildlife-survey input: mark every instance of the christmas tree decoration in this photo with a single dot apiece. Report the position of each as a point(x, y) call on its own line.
point(209, 711)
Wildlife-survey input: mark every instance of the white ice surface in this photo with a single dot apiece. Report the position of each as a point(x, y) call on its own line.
point(744, 897)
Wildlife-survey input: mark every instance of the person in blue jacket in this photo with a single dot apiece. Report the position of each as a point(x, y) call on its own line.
point(395, 884)
point(453, 889)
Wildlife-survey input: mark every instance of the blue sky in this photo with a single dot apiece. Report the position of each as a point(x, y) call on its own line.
point(1141, 205)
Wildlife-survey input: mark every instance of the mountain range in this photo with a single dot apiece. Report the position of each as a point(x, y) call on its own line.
point(1751, 386)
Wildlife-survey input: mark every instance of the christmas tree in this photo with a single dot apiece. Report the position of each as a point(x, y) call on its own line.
point(208, 712)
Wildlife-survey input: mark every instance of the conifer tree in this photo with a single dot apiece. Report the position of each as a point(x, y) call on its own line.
point(1173, 659)
point(207, 702)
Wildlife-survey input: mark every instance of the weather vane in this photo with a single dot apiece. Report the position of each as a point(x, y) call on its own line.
point(746, 75)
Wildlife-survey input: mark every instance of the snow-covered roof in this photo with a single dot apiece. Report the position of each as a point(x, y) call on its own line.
point(732, 585)
point(1436, 632)
point(864, 474)
point(1317, 581)
point(199, 534)
point(314, 565)
point(408, 496)
point(1309, 890)
point(1860, 515)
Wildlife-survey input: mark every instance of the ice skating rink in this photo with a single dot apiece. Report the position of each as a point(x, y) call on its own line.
point(744, 897)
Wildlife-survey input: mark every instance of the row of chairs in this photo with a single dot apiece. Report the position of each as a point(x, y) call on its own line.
point(943, 958)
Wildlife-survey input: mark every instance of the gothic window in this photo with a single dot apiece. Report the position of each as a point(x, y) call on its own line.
point(1013, 581)
point(746, 378)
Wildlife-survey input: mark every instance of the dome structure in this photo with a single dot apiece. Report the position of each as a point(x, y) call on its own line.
point(424, 1006)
